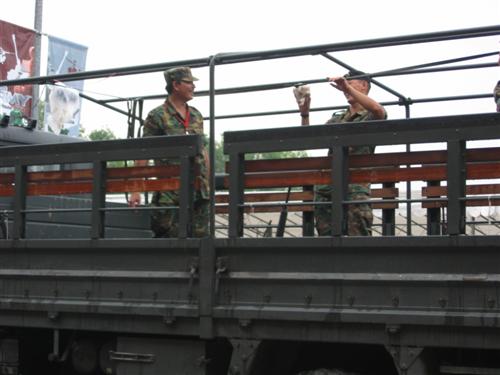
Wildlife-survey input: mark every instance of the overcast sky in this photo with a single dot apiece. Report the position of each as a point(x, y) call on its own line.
point(128, 32)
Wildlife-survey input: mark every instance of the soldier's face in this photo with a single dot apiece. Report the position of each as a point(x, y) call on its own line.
point(359, 85)
point(185, 89)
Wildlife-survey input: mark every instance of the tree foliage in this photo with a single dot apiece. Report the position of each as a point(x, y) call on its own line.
point(221, 159)
point(101, 135)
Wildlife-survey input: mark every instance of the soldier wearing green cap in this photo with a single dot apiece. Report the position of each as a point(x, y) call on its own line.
point(355, 85)
point(176, 117)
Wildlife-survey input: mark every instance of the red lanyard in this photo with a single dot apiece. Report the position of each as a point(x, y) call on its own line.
point(186, 120)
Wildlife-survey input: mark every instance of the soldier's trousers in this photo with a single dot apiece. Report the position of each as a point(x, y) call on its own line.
point(359, 216)
point(165, 223)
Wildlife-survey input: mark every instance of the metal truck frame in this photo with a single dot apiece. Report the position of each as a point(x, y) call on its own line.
point(98, 300)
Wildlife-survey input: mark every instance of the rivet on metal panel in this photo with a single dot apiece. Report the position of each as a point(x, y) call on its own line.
point(169, 320)
point(491, 302)
point(53, 315)
point(393, 329)
point(169, 317)
point(245, 323)
point(202, 361)
point(395, 301)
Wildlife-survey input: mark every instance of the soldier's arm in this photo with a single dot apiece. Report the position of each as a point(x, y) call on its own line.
point(372, 106)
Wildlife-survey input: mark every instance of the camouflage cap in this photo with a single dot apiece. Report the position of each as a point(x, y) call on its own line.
point(182, 73)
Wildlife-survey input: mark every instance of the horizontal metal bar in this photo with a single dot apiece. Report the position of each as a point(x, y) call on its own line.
point(326, 203)
point(238, 57)
point(366, 277)
point(94, 274)
point(99, 306)
point(106, 73)
point(120, 149)
point(362, 314)
point(389, 132)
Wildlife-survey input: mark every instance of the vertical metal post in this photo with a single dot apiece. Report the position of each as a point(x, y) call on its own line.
point(339, 189)
point(433, 215)
point(456, 181)
point(388, 216)
point(186, 197)
point(408, 183)
point(236, 193)
point(307, 217)
point(38, 49)
point(98, 199)
point(19, 221)
point(212, 145)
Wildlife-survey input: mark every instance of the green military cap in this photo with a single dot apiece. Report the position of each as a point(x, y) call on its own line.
point(182, 73)
point(357, 74)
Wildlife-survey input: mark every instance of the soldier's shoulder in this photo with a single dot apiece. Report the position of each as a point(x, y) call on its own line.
point(336, 116)
point(157, 111)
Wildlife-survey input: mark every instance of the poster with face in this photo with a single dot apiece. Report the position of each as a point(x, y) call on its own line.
point(63, 104)
point(17, 51)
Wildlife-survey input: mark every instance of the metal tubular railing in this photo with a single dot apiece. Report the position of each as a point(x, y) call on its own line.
point(454, 130)
point(239, 57)
point(183, 148)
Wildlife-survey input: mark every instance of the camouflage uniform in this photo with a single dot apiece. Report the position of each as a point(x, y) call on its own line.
point(359, 216)
point(164, 120)
point(496, 94)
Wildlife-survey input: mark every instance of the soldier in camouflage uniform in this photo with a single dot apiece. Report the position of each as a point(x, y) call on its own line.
point(361, 108)
point(175, 117)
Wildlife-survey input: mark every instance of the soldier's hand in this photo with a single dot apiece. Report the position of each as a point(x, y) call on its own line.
point(305, 105)
point(340, 83)
point(303, 97)
point(134, 199)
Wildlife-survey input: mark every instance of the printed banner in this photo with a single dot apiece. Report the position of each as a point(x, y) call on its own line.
point(17, 51)
point(63, 104)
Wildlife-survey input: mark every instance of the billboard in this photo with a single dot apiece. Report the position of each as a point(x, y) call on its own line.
point(17, 51)
point(63, 104)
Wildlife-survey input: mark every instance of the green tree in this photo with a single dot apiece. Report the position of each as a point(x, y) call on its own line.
point(276, 155)
point(105, 135)
point(41, 115)
point(221, 159)
point(101, 135)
